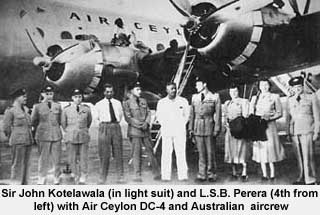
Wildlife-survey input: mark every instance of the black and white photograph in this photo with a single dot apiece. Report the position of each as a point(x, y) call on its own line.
point(159, 92)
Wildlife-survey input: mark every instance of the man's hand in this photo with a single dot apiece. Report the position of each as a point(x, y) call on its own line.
point(190, 134)
point(315, 136)
point(145, 126)
point(215, 133)
point(288, 138)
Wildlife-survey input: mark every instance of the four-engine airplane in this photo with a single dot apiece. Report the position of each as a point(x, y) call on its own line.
point(235, 41)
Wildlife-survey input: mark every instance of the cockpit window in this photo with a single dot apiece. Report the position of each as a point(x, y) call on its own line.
point(66, 35)
point(40, 32)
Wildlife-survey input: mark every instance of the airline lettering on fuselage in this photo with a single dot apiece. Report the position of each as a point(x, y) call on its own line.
point(137, 25)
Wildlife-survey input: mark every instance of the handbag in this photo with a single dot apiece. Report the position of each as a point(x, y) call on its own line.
point(238, 127)
point(256, 126)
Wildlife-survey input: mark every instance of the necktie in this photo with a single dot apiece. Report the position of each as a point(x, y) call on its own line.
point(202, 96)
point(298, 98)
point(138, 101)
point(111, 110)
point(78, 109)
point(49, 105)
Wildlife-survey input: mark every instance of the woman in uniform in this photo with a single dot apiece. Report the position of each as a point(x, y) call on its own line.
point(236, 151)
point(268, 106)
point(17, 126)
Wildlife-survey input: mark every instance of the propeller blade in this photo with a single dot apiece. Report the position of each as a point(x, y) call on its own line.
point(183, 6)
point(234, 9)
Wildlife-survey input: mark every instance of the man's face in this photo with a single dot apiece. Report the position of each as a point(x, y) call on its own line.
point(48, 96)
point(136, 91)
point(108, 92)
point(172, 90)
point(234, 93)
point(200, 86)
point(297, 89)
point(264, 86)
point(22, 99)
point(77, 99)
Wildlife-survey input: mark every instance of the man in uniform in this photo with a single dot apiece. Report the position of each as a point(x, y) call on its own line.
point(173, 115)
point(17, 126)
point(46, 119)
point(109, 114)
point(76, 120)
point(204, 125)
point(304, 121)
point(138, 116)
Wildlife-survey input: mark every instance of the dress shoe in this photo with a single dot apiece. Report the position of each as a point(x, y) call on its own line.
point(313, 183)
point(213, 178)
point(41, 181)
point(56, 180)
point(298, 183)
point(199, 180)
point(244, 178)
point(157, 178)
point(137, 179)
point(234, 177)
point(264, 179)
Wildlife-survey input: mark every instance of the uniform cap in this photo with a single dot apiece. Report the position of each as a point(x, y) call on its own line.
point(18, 93)
point(76, 92)
point(200, 78)
point(134, 85)
point(47, 89)
point(296, 81)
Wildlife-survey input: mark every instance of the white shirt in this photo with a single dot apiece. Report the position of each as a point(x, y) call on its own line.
point(103, 113)
point(173, 115)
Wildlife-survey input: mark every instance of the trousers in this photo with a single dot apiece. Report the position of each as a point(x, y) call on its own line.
point(178, 144)
point(137, 143)
point(304, 148)
point(20, 163)
point(207, 158)
point(78, 159)
point(50, 151)
point(110, 138)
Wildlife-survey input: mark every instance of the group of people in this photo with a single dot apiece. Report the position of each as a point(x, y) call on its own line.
point(201, 121)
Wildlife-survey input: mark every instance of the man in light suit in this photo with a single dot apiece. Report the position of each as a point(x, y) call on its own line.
point(173, 115)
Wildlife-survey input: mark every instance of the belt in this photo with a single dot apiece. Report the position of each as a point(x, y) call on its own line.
point(109, 122)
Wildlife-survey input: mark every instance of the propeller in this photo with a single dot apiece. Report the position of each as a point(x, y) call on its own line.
point(226, 12)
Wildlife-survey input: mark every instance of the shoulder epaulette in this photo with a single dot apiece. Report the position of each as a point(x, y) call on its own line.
point(68, 105)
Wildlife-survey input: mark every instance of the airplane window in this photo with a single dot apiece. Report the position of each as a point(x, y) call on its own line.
point(40, 32)
point(53, 50)
point(82, 37)
point(160, 47)
point(66, 35)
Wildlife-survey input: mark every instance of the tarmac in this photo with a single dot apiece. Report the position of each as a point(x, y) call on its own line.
point(286, 170)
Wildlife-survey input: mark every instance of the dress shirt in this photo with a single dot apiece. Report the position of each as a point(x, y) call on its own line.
point(173, 115)
point(103, 112)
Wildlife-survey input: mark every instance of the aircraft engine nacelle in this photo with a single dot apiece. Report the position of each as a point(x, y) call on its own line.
point(86, 64)
point(231, 42)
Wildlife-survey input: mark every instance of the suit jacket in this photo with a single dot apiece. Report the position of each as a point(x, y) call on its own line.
point(17, 126)
point(205, 116)
point(135, 115)
point(76, 124)
point(303, 116)
point(47, 121)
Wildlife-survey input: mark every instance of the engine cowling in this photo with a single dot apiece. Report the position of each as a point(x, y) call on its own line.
point(85, 64)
